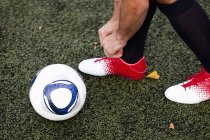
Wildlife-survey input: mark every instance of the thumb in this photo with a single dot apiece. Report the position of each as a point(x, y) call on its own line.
point(118, 54)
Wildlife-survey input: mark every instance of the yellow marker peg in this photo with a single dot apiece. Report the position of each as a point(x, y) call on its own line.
point(154, 75)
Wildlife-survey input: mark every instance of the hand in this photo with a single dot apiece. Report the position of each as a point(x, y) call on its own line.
point(107, 29)
point(113, 46)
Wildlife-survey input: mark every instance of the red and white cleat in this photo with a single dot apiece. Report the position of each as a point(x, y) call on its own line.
point(195, 90)
point(113, 66)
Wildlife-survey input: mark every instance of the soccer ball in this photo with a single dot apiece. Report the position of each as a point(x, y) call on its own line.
point(57, 92)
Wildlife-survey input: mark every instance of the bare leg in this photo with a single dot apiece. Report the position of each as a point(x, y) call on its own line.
point(134, 49)
point(112, 24)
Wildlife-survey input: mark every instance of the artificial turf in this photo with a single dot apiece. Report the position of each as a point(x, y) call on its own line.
point(36, 33)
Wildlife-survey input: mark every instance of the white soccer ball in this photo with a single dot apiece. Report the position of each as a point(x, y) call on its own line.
point(57, 92)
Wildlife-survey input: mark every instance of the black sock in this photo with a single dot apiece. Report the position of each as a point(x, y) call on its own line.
point(193, 25)
point(134, 49)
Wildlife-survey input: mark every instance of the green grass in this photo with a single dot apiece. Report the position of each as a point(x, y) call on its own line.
point(37, 33)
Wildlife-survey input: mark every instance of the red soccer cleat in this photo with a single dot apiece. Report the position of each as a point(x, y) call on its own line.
point(113, 66)
point(195, 90)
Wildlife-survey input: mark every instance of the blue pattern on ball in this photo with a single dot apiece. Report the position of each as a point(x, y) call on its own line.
point(56, 85)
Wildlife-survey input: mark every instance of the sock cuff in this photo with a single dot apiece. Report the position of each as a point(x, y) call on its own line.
point(176, 8)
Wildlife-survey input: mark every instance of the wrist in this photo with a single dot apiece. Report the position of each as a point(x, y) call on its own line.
point(122, 37)
point(114, 19)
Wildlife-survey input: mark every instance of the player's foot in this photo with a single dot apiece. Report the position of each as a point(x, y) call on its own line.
point(195, 90)
point(115, 66)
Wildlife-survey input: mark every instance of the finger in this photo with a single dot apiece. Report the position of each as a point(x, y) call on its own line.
point(117, 55)
point(101, 40)
point(120, 53)
point(103, 34)
point(106, 53)
point(113, 55)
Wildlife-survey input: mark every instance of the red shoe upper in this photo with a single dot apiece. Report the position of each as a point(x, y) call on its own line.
point(200, 83)
point(118, 67)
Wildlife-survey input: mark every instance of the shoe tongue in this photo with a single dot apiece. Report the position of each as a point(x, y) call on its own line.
point(197, 78)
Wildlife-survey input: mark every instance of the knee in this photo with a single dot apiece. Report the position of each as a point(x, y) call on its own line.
point(166, 1)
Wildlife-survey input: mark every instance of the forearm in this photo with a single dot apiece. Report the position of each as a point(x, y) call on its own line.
point(116, 12)
point(132, 16)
